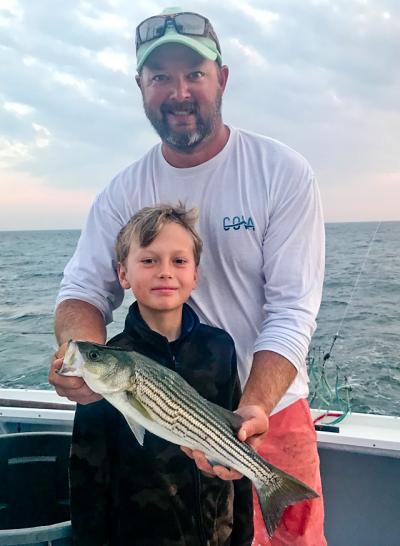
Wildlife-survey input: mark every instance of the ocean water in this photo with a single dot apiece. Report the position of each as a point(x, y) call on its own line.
point(361, 303)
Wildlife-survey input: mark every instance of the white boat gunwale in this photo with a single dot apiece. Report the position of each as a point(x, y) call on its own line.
point(379, 432)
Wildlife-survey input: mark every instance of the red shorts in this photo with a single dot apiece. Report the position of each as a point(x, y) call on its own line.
point(291, 446)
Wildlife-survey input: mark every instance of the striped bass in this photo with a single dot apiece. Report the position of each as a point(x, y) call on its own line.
point(154, 398)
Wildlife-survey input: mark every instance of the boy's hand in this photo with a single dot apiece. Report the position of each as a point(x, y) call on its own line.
point(212, 471)
point(253, 429)
point(73, 388)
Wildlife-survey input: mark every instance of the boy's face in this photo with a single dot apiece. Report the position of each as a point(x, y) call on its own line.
point(163, 274)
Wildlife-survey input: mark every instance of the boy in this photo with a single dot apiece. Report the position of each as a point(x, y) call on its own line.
point(123, 494)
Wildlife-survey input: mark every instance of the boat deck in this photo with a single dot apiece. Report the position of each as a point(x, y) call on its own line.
point(360, 464)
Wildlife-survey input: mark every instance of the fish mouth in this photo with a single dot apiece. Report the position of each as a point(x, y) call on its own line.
point(72, 362)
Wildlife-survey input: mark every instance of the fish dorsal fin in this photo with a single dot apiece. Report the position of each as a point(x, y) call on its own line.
point(234, 420)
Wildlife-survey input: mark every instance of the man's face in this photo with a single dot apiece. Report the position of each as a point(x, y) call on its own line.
point(182, 95)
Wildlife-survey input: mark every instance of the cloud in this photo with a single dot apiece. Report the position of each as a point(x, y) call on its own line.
point(100, 21)
point(30, 203)
point(262, 17)
point(18, 108)
point(12, 152)
point(43, 135)
point(249, 53)
point(10, 12)
point(72, 81)
point(367, 197)
point(114, 61)
point(321, 76)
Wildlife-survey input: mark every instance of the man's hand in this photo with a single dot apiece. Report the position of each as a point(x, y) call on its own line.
point(74, 388)
point(255, 425)
point(270, 376)
point(252, 431)
point(79, 320)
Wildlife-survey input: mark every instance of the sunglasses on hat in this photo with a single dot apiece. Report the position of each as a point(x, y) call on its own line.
point(186, 23)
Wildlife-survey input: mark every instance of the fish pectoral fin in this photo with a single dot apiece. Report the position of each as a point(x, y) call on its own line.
point(234, 420)
point(122, 400)
point(137, 429)
point(135, 403)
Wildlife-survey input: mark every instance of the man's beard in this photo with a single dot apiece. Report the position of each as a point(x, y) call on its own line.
point(184, 141)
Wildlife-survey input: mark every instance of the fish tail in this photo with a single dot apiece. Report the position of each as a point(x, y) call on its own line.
point(274, 498)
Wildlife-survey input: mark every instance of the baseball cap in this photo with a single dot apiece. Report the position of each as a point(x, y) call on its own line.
point(179, 27)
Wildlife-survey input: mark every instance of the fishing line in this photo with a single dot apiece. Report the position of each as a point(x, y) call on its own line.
point(344, 405)
point(355, 286)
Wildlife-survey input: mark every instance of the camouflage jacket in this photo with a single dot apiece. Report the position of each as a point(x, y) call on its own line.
point(123, 494)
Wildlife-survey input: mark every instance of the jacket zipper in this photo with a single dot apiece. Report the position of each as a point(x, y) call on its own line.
point(196, 474)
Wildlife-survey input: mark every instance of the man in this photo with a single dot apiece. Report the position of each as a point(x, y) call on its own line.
point(262, 227)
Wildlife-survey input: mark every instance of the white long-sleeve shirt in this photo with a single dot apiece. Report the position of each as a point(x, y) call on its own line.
point(262, 266)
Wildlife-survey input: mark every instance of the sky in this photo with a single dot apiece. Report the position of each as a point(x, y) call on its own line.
point(322, 76)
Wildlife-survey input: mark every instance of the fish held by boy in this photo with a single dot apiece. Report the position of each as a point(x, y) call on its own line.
point(154, 398)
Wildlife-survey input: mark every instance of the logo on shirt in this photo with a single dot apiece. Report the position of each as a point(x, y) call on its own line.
point(238, 222)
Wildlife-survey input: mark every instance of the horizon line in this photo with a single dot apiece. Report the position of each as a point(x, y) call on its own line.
point(19, 230)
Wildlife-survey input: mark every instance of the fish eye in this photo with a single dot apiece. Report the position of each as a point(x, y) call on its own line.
point(94, 355)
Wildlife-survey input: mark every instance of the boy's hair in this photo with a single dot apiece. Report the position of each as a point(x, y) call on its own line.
point(146, 224)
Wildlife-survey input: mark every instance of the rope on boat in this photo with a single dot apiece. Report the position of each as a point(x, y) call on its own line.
point(317, 364)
